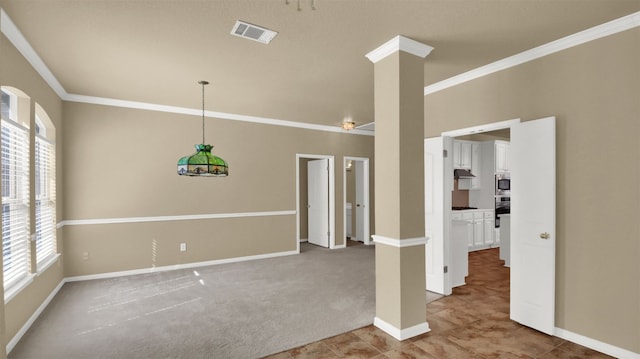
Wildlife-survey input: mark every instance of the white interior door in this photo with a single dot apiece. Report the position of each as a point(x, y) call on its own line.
point(533, 222)
point(318, 202)
point(362, 201)
point(437, 208)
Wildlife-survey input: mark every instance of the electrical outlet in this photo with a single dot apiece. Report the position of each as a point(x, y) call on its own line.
point(183, 247)
point(85, 256)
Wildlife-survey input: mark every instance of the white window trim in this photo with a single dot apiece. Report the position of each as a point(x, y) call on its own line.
point(47, 262)
point(17, 287)
point(13, 104)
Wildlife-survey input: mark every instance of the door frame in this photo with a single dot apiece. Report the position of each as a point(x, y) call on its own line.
point(332, 197)
point(367, 196)
point(446, 255)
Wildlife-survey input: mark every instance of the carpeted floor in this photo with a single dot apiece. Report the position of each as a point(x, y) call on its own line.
point(239, 310)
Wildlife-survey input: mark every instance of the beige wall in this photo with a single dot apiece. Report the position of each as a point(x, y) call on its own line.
point(16, 72)
point(400, 191)
point(593, 91)
point(122, 163)
point(128, 246)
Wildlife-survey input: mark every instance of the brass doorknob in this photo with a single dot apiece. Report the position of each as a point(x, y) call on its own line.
point(545, 235)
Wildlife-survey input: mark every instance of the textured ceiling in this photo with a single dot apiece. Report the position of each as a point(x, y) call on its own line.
point(314, 71)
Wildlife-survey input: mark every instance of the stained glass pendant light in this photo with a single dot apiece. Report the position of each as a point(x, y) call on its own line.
point(203, 163)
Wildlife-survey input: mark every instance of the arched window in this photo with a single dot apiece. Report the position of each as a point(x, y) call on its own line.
point(15, 185)
point(45, 188)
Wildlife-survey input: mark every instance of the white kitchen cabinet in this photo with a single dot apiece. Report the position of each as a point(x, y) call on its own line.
point(479, 227)
point(501, 156)
point(459, 265)
point(462, 155)
point(478, 232)
point(489, 227)
point(467, 217)
point(457, 153)
point(476, 166)
point(465, 157)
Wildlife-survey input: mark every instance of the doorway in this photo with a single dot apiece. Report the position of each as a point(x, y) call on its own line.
point(477, 208)
point(323, 177)
point(355, 177)
point(532, 222)
point(475, 198)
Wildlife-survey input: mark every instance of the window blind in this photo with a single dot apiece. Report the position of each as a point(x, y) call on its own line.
point(15, 202)
point(45, 188)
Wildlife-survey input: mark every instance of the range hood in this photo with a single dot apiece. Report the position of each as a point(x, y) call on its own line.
point(460, 173)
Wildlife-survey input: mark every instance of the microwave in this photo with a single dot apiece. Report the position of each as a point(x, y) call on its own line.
point(503, 185)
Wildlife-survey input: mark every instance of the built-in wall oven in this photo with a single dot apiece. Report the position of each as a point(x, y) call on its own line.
point(502, 197)
point(503, 185)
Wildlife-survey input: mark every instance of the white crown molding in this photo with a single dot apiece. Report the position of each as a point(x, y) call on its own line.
point(594, 344)
point(594, 33)
point(399, 43)
point(400, 243)
point(211, 114)
point(401, 334)
point(11, 31)
point(79, 222)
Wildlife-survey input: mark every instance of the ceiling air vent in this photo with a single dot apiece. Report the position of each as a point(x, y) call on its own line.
point(253, 32)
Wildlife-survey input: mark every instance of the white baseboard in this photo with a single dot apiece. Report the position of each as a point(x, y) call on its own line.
point(178, 266)
point(16, 338)
point(595, 344)
point(401, 334)
point(303, 240)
